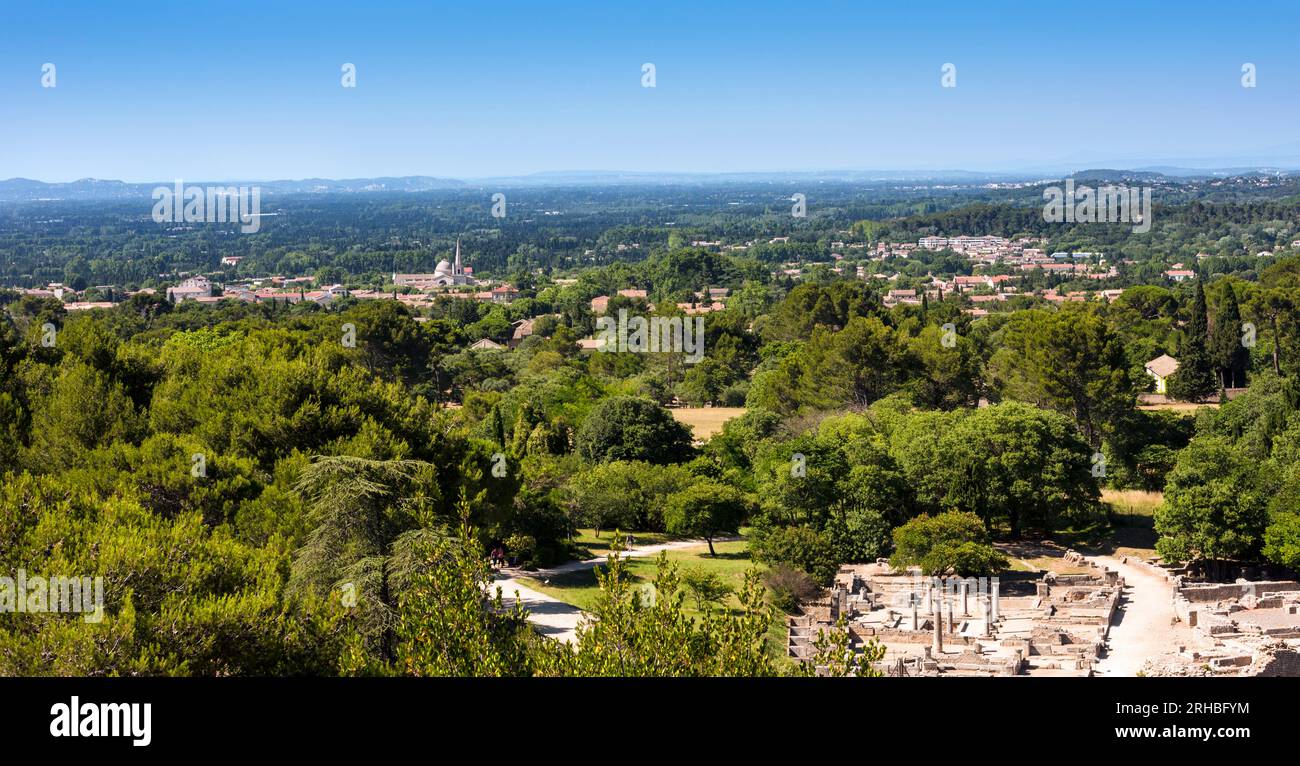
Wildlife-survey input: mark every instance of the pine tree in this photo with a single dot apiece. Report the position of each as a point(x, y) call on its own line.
point(367, 516)
point(1195, 378)
point(1229, 355)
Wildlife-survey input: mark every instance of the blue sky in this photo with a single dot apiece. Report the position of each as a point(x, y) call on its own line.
point(154, 91)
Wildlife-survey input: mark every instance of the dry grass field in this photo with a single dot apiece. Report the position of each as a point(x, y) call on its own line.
point(706, 421)
point(1178, 406)
point(1132, 502)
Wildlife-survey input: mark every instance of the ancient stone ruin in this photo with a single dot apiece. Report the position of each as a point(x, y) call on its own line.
point(1244, 628)
point(1055, 625)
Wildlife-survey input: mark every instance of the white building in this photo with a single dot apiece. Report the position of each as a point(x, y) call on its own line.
point(194, 287)
point(1162, 368)
point(444, 275)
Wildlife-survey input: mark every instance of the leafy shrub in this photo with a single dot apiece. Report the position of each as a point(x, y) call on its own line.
point(860, 535)
point(949, 542)
point(789, 587)
point(706, 586)
point(802, 548)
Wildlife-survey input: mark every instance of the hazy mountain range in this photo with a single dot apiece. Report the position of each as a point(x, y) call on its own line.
point(25, 190)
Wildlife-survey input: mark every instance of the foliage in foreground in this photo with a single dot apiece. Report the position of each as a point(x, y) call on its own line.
point(453, 622)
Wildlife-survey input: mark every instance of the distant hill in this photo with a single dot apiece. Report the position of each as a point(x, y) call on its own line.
point(347, 185)
point(25, 189)
point(1099, 175)
point(18, 189)
point(651, 178)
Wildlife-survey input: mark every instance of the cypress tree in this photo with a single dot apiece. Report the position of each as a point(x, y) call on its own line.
point(1229, 355)
point(498, 427)
point(1195, 378)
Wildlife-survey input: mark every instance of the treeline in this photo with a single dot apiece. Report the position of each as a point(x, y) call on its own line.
point(363, 237)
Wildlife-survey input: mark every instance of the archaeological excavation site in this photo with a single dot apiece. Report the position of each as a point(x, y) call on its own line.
point(1058, 614)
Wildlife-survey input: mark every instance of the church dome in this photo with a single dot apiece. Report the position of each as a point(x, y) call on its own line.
point(443, 267)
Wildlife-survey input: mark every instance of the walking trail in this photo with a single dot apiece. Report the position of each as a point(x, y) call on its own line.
point(551, 616)
point(1143, 627)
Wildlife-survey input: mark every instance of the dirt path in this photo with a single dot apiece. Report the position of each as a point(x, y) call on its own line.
point(1143, 625)
point(551, 616)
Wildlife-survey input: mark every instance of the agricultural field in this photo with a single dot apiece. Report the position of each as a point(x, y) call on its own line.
point(706, 421)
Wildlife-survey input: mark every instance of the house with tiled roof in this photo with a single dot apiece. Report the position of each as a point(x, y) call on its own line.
point(1161, 369)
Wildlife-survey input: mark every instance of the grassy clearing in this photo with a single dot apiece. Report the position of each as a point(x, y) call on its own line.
point(1130, 530)
point(580, 588)
point(599, 545)
point(1033, 558)
point(1132, 502)
point(1134, 529)
point(706, 421)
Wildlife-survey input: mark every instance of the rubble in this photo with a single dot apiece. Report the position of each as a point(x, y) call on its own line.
point(1246, 628)
point(1055, 625)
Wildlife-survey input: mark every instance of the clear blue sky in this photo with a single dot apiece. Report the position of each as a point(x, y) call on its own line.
point(154, 91)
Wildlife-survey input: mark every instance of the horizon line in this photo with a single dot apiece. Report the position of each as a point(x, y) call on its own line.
point(899, 173)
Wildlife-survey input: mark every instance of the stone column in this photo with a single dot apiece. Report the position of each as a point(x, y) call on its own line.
point(952, 626)
point(938, 632)
point(964, 585)
point(988, 616)
point(994, 588)
point(915, 625)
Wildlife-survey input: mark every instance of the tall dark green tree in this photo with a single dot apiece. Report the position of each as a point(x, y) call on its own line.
point(1069, 361)
point(1195, 378)
point(369, 519)
point(498, 427)
point(1226, 349)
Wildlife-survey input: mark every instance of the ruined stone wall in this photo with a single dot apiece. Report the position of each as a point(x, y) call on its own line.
point(1199, 593)
point(891, 636)
point(1280, 663)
